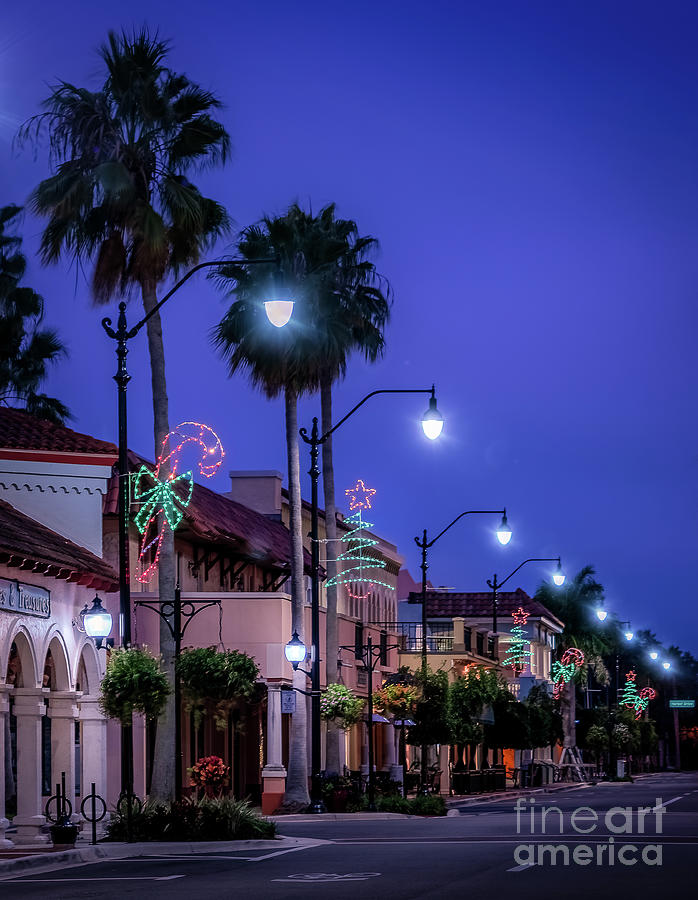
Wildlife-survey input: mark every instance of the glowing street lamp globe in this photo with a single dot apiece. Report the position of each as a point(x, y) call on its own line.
point(629, 635)
point(278, 311)
point(97, 621)
point(432, 420)
point(601, 615)
point(666, 664)
point(295, 651)
point(559, 575)
point(504, 531)
point(653, 654)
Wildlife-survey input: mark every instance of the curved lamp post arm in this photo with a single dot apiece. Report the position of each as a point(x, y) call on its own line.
point(315, 438)
point(497, 584)
point(468, 512)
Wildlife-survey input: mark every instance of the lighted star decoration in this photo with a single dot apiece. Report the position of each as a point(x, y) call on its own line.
point(360, 495)
point(520, 616)
point(631, 676)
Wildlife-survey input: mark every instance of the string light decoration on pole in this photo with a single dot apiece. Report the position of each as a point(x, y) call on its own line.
point(518, 653)
point(357, 559)
point(164, 499)
point(564, 669)
point(634, 699)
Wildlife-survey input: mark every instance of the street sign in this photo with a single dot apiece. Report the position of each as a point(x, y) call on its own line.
point(682, 704)
point(288, 701)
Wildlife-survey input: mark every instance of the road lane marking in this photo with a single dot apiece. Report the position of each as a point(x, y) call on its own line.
point(663, 804)
point(327, 877)
point(115, 878)
point(521, 867)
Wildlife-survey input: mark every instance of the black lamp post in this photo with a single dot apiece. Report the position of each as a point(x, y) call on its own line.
point(432, 424)
point(122, 334)
point(370, 656)
point(558, 578)
point(504, 536)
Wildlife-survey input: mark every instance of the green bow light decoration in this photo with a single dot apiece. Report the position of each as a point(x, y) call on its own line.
point(564, 669)
point(165, 500)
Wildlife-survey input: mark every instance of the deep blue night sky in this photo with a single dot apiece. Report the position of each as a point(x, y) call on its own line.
point(531, 170)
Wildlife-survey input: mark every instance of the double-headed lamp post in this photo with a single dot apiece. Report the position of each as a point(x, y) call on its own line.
point(424, 543)
point(278, 310)
point(558, 577)
point(432, 425)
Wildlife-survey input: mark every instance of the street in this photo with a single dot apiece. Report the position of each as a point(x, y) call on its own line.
point(473, 854)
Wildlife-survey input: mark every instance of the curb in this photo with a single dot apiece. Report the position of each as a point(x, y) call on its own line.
point(301, 818)
point(454, 804)
point(47, 862)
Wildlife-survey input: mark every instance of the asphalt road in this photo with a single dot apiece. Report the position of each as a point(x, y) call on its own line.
point(481, 853)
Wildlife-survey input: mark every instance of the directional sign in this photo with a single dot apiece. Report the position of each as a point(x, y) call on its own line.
point(682, 704)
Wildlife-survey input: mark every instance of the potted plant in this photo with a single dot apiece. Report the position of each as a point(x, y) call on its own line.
point(336, 791)
point(133, 682)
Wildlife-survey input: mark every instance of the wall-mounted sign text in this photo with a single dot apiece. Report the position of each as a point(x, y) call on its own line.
point(25, 599)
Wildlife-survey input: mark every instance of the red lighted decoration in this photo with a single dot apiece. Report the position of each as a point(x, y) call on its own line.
point(634, 699)
point(164, 493)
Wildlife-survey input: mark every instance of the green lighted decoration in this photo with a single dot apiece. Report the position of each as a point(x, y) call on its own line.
point(564, 669)
point(164, 499)
point(357, 561)
point(518, 654)
point(634, 699)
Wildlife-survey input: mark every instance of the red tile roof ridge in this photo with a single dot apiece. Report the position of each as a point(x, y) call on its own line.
point(32, 547)
point(21, 431)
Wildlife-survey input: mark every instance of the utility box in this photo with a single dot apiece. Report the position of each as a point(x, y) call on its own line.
point(620, 768)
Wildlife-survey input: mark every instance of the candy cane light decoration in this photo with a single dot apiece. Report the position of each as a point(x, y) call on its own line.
point(164, 493)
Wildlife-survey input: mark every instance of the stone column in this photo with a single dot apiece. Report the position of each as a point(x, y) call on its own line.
point(63, 712)
point(273, 773)
point(29, 708)
point(459, 635)
point(445, 785)
point(4, 749)
point(390, 739)
point(364, 748)
point(93, 744)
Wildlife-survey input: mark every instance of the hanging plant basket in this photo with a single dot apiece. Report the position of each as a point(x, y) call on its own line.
point(341, 706)
point(133, 682)
point(214, 681)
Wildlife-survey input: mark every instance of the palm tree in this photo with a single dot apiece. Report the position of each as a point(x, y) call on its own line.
point(281, 361)
point(120, 198)
point(575, 604)
point(354, 308)
point(26, 349)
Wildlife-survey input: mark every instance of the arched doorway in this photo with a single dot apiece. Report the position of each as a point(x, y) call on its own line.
point(91, 733)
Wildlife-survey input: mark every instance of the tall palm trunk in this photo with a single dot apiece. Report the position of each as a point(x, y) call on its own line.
point(334, 734)
point(296, 796)
point(163, 780)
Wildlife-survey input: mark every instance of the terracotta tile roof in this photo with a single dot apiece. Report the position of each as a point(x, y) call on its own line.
point(31, 547)
point(20, 431)
point(216, 519)
point(479, 604)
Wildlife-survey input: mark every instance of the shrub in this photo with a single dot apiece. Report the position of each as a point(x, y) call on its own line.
point(429, 805)
point(133, 683)
point(221, 819)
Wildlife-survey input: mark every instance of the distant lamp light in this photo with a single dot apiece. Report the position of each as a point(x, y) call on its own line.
point(96, 620)
point(666, 664)
point(629, 635)
point(654, 654)
point(295, 651)
point(559, 575)
point(432, 420)
point(504, 531)
point(601, 615)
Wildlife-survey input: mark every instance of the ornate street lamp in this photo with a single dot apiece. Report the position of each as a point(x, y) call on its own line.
point(95, 621)
point(295, 651)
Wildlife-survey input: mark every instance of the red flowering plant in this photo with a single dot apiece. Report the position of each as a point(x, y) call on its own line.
point(209, 773)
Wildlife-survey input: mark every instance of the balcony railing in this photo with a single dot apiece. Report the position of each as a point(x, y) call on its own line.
point(409, 637)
